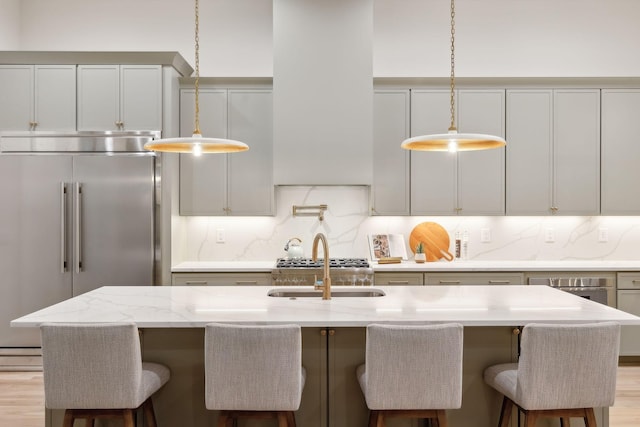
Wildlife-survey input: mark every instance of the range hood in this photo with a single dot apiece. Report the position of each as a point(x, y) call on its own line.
point(323, 92)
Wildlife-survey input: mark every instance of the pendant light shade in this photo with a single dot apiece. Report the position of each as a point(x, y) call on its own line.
point(196, 144)
point(453, 141)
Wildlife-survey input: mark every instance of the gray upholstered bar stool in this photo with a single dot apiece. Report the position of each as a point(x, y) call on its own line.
point(253, 372)
point(564, 371)
point(412, 372)
point(96, 371)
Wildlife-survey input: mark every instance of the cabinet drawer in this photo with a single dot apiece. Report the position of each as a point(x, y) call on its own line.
point(398, 279)
point(628, 281)
point(221, 279)
point(474, 279)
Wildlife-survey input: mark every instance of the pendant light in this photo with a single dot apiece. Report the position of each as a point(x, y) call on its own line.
point(453, 141)
point(196, 144)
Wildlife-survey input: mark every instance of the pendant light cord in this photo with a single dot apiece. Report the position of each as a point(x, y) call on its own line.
point(452, 127)
point(197, 84)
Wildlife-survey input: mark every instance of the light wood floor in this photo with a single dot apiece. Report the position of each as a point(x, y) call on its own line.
point(22, 399)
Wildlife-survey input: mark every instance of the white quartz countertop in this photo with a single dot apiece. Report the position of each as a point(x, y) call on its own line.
point(411, 266)
point(195, 306)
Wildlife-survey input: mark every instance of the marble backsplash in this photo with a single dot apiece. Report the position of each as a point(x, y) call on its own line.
point(347, 225)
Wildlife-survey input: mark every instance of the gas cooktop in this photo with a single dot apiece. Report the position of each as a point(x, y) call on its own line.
point(333, 263)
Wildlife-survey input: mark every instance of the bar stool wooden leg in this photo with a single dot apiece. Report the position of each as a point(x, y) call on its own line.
point(127, 415)
point(68, 418)
point(505, 413)
point(291, 419)
point(149, 413)
point(441, 418)
point(565, 422)
point(530, 419)
point(590, 418)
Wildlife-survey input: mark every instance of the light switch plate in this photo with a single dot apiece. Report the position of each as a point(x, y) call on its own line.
point(220, 237)
point(549, 235)
point(485, 235)
point(603, 234)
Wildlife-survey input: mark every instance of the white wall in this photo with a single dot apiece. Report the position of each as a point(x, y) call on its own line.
point(9, 24)
point(411, 37)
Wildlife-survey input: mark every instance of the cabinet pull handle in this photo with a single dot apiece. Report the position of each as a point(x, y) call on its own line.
point(499, 282)
point(635, 281)
point(63, 227)
point(325, 332)
point(195, 282)
point(78, 231)
point(398, 282)
point(246, 282)
point(449, 282)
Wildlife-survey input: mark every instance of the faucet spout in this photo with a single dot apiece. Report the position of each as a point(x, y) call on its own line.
point(326, 280)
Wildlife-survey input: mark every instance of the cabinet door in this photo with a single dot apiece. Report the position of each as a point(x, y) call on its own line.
point(620, 152)
point(98, 97)
point(481, 173)
point(629, 301)
point(391, 186)
point(16, 103)
point(576, 150)
point(55, 97)
point(529, 152)
point(203, 179)
point(250, 187)
point(433, 174)
point(141, 97)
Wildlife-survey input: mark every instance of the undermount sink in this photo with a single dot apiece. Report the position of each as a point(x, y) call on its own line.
point(335, 293)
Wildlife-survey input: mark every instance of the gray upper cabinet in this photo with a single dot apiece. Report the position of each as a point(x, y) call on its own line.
point(203, 180)
point(553, 155)
point(620, 152)
point(391, 183)
point(229, 184)
point(465, 183)
point(119, 97)
point(38, 97)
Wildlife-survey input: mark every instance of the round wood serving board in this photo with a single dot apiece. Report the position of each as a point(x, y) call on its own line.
point(434, 238)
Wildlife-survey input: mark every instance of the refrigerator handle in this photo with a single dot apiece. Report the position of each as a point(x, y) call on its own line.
point(63, 228)
point(78, 227)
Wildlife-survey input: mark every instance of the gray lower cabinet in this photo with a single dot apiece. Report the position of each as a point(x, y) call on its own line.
point(398, 279)
point(620, 152)
point(391, 182)
point(492, 278)
point(553, 159)
point(236, 183)
point(464, 183)
point(629, 300)
point(221, 279)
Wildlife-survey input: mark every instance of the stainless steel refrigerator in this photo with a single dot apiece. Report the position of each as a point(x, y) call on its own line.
point(76, 213)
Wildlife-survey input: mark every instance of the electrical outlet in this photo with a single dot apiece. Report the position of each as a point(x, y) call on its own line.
point(485, 235)
point(603, 234)
point(549, 235)
point(220, 237)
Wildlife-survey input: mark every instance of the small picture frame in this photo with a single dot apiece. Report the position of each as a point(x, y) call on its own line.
point(387, 246)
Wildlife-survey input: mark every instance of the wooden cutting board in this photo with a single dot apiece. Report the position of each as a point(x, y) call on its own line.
point(434, 238)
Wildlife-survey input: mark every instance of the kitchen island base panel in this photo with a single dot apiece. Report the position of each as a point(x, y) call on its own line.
point(332, 396)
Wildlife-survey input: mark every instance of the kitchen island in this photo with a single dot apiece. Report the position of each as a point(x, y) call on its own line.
point(172, 321)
